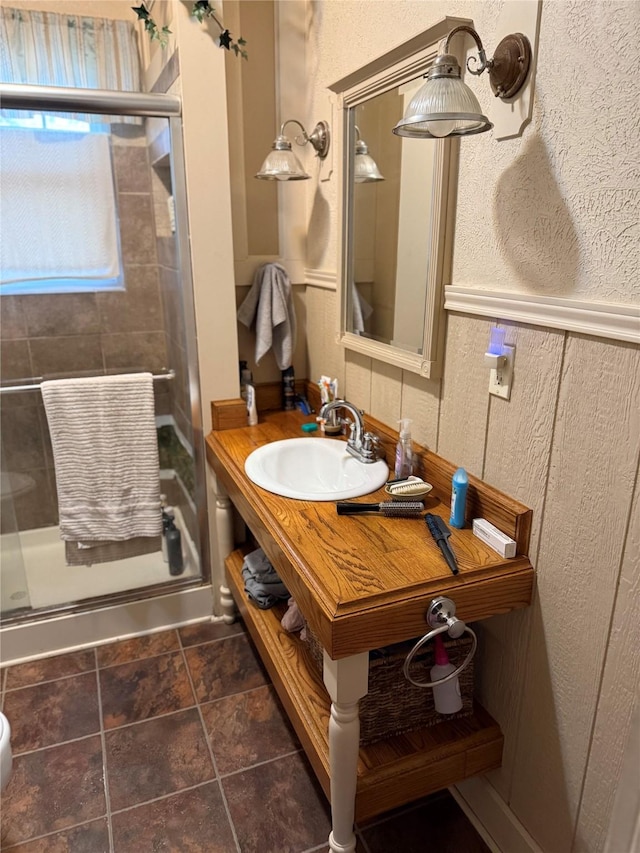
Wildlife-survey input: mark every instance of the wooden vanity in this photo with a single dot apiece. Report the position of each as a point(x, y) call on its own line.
point(363, 582)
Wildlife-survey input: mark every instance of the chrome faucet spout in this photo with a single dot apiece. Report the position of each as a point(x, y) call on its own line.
point(355, 412)
point(360, 444)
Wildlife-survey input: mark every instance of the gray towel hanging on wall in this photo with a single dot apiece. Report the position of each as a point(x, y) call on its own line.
point(270, 304)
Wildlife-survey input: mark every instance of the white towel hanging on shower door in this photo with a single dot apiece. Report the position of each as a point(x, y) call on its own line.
point(106, 457)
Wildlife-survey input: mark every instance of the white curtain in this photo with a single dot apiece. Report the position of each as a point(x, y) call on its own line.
point(48, 49)
point(59, 211)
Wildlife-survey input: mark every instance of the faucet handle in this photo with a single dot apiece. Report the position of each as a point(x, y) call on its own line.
point(370, 445)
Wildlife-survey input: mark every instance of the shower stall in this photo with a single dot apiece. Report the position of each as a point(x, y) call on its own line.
point(139, 319)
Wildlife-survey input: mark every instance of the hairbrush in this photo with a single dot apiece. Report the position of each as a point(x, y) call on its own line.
point(390, 508)
point(409, 488)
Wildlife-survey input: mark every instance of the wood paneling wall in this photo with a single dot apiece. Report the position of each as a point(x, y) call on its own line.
point(560, 677)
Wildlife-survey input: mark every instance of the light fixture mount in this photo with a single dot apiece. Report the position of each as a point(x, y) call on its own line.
point(320, 138)
point(510, 65)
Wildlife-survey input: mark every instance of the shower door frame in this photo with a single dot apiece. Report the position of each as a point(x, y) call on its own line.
point(143, 105)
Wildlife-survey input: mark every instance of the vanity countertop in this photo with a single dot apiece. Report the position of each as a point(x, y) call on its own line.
point(366, 581)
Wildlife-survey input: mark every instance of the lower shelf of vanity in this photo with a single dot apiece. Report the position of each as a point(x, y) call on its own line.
point(392, 772)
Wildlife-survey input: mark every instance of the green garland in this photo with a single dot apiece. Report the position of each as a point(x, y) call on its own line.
point(201, 9)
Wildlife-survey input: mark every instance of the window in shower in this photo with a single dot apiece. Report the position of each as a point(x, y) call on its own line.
point(59, 206)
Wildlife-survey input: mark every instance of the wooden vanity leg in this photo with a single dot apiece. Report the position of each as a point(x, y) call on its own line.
point(225, 545)
point(347, 681)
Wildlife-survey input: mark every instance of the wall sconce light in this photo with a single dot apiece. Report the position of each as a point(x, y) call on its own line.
point(445, 106)
point(365, 168)
point(282, 164)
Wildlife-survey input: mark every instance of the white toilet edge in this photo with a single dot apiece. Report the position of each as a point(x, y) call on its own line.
point(5, 730)
point(6, 759)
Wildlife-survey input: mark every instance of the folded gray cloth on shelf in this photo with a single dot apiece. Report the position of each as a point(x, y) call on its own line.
point(293, 620)
point(261, 582)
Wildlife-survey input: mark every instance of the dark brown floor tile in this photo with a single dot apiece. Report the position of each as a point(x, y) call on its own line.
point(137, 648)
point(226, 667)
point(429, 801)
point(156, 757)
point(137, 691)
point(440, 820)
point(205, 632)
point(190, 822)
point(53, 789)
point(278, 807)
point(89, 838)
point(51, 713)
point(248, 728)
point(48, 669)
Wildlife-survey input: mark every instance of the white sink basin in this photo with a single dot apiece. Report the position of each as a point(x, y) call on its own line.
point(313, 469)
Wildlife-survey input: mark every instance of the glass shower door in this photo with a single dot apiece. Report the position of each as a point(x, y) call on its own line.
point(141, 320)
point(14, 591)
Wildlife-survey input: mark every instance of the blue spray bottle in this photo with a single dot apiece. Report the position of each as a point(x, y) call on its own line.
point(459, 485)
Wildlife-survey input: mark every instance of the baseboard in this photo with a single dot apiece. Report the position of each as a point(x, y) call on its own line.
point(492, 818)
point(75, 631)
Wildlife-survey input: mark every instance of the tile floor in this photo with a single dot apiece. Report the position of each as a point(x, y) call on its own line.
point(176, 742)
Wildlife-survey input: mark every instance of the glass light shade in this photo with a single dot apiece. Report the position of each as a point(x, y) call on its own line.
point(282, 164)
point(443, 106)
point(365, 169)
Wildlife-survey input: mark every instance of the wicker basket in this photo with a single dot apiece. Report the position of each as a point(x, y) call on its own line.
point(393, 705)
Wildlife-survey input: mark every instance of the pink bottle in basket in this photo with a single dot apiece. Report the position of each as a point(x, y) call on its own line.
point(446, 697)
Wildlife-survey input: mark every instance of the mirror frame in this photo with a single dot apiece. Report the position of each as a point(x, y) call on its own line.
point(400, 65)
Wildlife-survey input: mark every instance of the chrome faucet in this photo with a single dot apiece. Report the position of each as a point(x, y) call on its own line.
point(361, 444)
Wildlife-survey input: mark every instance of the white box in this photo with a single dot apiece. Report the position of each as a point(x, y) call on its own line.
point(494, 538)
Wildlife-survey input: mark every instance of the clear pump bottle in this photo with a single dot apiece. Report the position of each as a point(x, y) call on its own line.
point(404, 450)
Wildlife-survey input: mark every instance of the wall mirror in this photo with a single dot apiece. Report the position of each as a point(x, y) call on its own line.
point(396, 219)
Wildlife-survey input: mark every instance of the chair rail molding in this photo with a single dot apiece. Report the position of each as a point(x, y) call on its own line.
point(620, 322)
point(327, 279)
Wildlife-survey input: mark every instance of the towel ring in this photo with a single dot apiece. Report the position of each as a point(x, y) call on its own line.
point(441, 616)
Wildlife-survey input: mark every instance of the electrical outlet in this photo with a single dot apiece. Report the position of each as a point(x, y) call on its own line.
point(500, 379)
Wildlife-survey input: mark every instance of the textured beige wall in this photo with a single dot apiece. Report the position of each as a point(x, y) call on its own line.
point(551, 213)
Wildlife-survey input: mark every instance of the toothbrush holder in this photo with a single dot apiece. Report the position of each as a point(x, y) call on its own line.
point(333, 424)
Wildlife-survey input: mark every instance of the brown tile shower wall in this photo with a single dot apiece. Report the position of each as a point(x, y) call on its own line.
point(72, 334)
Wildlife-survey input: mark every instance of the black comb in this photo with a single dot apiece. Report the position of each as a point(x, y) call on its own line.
point(440, 532)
